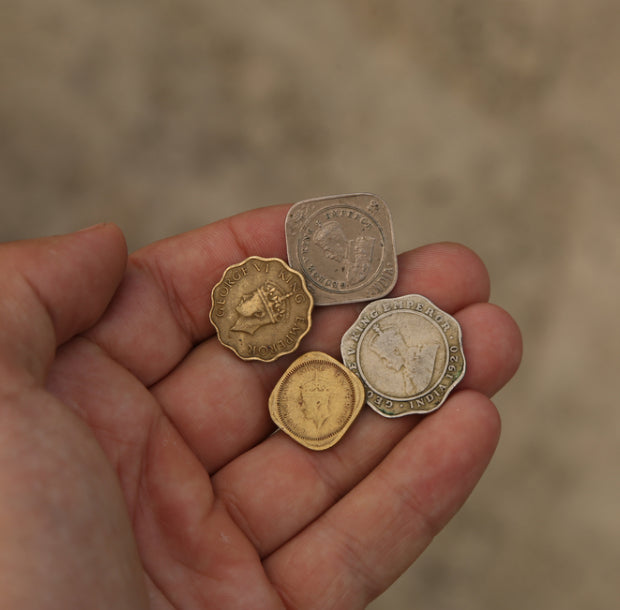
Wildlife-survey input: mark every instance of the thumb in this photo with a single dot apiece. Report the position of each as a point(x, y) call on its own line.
point(51, 289)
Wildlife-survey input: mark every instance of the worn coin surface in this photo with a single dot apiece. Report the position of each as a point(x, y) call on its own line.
point(261, 308)
point(344, 246)
point(407, 352)
point(316, 400)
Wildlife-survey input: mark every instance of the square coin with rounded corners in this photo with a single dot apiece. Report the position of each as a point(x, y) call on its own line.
point(344, 247)
point(316, 400)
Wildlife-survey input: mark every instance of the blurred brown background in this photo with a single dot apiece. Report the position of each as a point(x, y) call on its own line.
point(492, 123)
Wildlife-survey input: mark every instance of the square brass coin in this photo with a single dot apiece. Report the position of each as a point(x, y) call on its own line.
point(316, 400)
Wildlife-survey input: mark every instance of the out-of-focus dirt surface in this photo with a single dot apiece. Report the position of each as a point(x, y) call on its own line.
point(490, 123)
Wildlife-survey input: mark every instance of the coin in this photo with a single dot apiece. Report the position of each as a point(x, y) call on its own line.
point(407, 352)
point(344, 246)
point(316, 400)
point(261, 308)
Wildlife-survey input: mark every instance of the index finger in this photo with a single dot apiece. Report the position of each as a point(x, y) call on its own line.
point(161, 308)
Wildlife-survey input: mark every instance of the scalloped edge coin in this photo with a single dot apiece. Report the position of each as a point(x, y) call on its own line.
point(261, 308)
point(408, 354)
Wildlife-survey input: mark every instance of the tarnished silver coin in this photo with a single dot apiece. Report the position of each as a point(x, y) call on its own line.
point(344, 247)
point(408, 354)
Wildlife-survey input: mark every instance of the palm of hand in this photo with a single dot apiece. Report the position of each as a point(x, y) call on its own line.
point(224, 514)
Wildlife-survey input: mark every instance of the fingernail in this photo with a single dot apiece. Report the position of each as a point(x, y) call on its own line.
point(92, 227)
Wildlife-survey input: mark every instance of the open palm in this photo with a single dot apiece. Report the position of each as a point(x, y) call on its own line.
point(139, 457)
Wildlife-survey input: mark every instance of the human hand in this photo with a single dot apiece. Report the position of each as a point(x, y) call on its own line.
point(138, 464)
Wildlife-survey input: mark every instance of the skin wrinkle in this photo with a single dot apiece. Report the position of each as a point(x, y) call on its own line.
point(287, 602)
point(37, 368)
point(324, 474)
point(40, 300)
point(219, 574)
point(144, 504)
point(357, 570)
point(100, 357)
point(263, 378)
point(156, 595)
point(232, 506)
point(176, 305)
point(354, 559)
point(264, 374)
point(321, 476)
point(237, 240)
point(429, 525)
point(151, 575)
point(140, 487)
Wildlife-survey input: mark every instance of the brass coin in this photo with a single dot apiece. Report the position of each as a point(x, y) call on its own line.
point(316, 400)
point(344, 246)
point(261, 308)
point(407, 352)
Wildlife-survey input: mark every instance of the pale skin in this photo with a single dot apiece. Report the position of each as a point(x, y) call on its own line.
point(138, 464)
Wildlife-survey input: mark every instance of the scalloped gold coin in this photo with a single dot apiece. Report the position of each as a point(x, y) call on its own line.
point(261, 308)
point(316, 400)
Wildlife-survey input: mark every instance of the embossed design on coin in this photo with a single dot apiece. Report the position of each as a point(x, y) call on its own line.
point(261, 308)
point(316, 400)
point(407, 352)
point(344, 246)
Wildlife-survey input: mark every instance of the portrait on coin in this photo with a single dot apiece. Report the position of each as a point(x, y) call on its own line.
point(407, 369)
point(265, 305)
point(313, 402)
point(353, 254)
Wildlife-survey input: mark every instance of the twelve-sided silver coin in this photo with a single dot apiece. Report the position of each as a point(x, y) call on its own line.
point(408, 354)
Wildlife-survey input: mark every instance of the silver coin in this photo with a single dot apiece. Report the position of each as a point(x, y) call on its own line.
point(408, 354)
point(344, 247)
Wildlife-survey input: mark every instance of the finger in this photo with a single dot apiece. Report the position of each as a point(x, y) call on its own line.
point(281, 482)
point(493, 347)
point(162, 307)
point(166, 489)
point(118, 409)
point(198, 395)
point(449, 274)
point(57, 488)
point(361, 545)
point(52, 289)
